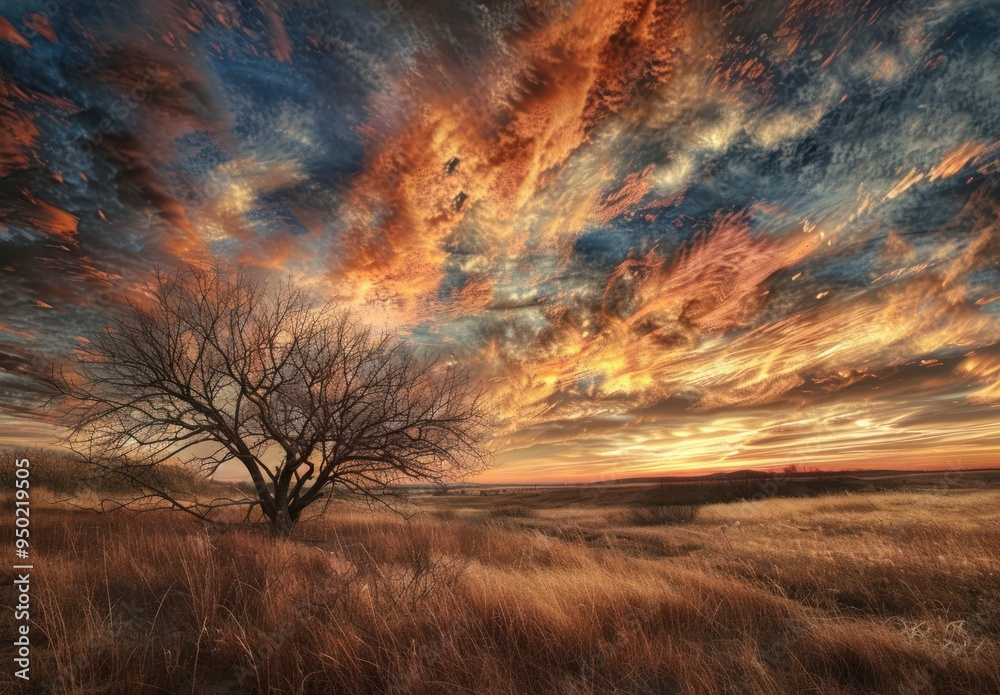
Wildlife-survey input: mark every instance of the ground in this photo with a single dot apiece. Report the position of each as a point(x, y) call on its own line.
point(568, 590)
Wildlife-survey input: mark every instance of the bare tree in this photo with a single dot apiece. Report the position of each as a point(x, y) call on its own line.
point(220, 365)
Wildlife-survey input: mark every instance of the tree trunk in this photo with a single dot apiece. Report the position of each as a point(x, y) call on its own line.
point(282, 522)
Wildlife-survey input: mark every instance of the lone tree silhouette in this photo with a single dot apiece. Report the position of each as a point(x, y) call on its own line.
point(217, 364)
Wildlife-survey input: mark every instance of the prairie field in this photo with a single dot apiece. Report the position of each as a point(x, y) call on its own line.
point(527, 591)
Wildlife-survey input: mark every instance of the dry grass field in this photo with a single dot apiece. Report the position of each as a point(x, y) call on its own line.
point(527, 592)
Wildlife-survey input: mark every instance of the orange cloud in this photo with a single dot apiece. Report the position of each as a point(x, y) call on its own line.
point(483, 153)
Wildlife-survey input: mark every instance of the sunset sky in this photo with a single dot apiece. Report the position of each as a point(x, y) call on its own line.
point(672, 236)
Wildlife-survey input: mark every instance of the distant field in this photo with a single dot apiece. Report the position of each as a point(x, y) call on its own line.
point(630, 588)
point(733, 487)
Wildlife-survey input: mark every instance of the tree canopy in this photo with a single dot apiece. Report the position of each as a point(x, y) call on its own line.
point(218, 364)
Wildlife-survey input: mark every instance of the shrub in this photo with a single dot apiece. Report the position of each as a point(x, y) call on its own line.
point(511, 510)
point(659, 514)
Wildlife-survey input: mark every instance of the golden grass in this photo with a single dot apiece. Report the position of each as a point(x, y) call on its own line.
point(877, 593)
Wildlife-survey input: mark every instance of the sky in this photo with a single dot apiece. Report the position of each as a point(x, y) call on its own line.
point(670, 236)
